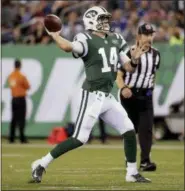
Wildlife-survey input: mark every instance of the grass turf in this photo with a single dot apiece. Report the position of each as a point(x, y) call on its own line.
point(92, 167)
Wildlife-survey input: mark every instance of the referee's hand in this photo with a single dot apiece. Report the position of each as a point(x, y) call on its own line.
point(126, 93)
point(140, 48)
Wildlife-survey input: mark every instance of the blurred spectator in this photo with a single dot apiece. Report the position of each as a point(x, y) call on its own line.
point(176, 38)
point(24, 14)
point(58, 6)
point(180, 19)
point(9, 12)
point(131, 30)
point(13, 36)
point(119, 22)
point(127, 15)
point(162, 34)
point(112, 5)
point(72, 26)
point(40, 34)
point(130, 5)
point(143, 8)
point(17, 36)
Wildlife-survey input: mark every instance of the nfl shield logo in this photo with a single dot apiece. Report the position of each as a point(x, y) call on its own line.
point(148, 27)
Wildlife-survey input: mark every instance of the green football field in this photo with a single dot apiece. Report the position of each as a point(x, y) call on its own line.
point(92, 167)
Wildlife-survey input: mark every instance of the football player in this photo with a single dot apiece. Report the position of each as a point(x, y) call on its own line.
point(101, 50)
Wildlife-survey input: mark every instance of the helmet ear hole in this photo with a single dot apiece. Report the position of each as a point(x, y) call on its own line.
point(91, 23)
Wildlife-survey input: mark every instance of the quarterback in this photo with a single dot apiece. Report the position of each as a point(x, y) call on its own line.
point(101, 51)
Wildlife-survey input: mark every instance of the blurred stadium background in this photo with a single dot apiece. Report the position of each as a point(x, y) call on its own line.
point(53, 74)
point(55, 78)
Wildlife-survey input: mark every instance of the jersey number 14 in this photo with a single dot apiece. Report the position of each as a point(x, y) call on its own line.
point(113, 60)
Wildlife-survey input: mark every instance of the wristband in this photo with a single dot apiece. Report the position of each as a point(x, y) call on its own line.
point(124, 87)
point(133, 65)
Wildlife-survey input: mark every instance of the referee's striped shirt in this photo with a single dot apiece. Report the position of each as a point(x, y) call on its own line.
point(144, 75)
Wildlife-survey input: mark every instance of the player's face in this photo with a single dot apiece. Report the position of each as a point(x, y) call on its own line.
point(104, 23)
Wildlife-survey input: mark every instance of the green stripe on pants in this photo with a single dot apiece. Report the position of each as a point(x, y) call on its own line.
point(82, 116)
point(82, 100)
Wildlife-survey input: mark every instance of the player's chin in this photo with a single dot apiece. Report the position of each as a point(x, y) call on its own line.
point(106, 27)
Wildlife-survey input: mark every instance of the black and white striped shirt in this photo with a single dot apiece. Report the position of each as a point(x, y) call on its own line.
point(144, 75)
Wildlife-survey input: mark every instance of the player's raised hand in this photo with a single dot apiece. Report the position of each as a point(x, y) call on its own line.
point(52, 33)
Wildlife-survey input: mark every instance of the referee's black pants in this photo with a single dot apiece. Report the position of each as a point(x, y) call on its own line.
point(140, 110)
point(18, 107)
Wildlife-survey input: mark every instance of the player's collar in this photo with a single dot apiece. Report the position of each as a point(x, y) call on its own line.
point(103, 37)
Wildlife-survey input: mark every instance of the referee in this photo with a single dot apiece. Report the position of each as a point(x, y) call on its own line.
point(19, 85)
point(136, 94)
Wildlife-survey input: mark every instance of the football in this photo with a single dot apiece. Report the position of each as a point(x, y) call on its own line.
point(52, 23)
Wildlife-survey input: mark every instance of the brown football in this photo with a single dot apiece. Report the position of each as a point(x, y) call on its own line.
point(52, 23)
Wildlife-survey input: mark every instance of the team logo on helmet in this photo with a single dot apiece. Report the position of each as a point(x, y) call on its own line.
point(91, 13)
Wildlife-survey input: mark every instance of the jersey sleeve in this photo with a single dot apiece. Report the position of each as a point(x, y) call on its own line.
point(123, 49)
point(123, 46)
point(82, 39)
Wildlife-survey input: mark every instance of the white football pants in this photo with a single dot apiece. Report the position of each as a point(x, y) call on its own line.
point(99, 104)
